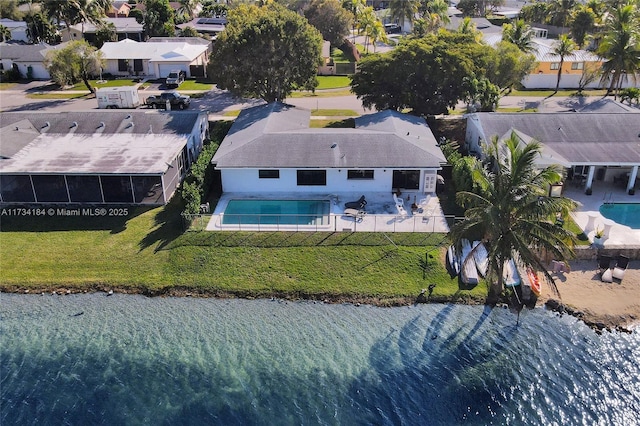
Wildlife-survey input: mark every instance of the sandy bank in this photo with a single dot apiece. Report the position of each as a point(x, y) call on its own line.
point(604, 305)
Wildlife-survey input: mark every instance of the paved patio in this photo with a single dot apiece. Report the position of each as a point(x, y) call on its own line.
point(588, 215)
point(381, 213)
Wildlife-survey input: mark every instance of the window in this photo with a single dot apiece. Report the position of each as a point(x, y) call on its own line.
point(123, 65)
point(406, 179)
point(360, 174)
point(137, 65)
point(577, 65)
point(555, 65)
point(312, 177)
point(269, 174)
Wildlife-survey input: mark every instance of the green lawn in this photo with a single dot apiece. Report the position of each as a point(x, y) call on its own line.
point(191, 84)
point(148, 252)
point(321, 93)
point(6, 86)
point(103, 83)
point(333, 82)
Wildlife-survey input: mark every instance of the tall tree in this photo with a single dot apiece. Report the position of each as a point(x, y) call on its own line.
point(366, 24)
point(512, 212)
point(560, 12)
point(331, 19)
point(77, 61)
point(563, 48)
point(509, 66)
point(355, 7)
point(520, 34)
point(421, 74)
point(435, 8)
point(621, 46)
point(105, 32)
point(40, 28)
point(583, 21)
point(266, 53)
point(158, 18)
point(468, 27)
point(76, 11)
point(9, 9)
point(402, 11)
point(187, 8)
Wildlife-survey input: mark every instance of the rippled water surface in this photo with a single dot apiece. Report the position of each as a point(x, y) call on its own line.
point(136, 360)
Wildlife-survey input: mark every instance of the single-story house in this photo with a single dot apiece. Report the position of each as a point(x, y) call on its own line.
point(210, 26)
point(27, 58)
point(154, 59)
point(580, 68)
point(126, 28)
point(97, 157)
point(592, 146)
point(271, 148)
point(18, 29)
point(119, 9)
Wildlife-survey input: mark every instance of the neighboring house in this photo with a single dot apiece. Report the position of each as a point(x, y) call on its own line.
point(27, 58)
point(18, 29)
point(190, 40)
point(210, 26)
point(119, 9)
point(155, 59)
point(592, 146)
point(126, 28)
point(271, 148)
point(105, 157)
point(328, 67)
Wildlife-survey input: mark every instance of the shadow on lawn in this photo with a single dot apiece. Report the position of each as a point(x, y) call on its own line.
point(167, 227)
point(65, 218)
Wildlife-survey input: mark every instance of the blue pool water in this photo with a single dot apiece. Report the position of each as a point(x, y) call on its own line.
point(623, 213)
point(277, 212)
point(130, 360)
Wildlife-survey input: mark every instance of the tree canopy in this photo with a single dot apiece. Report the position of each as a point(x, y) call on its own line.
point(266, 53)
point(331, 19)
point(511, 211)
point(77, 61)
point(158, 18)
point(422, 74)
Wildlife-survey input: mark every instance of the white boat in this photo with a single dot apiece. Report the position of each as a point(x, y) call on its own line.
point(469, 273)
point(453, 263)
point(481, 257)
point(510, 274)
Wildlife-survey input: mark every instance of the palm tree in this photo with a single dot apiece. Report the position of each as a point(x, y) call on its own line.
point(403, 10)
point(440, 8)
point(377, 34)
point(621, 46)
point(519, 34)
point(187, 8)
point(355, 7)
point(563, 48)
point(512, 212)
point(366, 24)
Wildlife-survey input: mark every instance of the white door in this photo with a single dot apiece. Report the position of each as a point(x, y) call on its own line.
point(165, 69)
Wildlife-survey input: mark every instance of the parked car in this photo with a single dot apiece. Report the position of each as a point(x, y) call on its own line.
point(175, 99)
point(392, 28)
point(175, 78)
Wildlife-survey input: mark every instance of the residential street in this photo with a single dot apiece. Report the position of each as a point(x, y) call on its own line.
point(216, 101)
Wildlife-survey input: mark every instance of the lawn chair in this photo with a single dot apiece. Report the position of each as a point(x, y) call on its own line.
point(356, 214)
point(621, 267)
point(358, 205)
point(604, 268)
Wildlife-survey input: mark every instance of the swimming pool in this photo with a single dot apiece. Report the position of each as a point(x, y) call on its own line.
point(277, 212)
point(623, 213)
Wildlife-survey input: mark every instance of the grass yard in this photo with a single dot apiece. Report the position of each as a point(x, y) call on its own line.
point(7, 86)
point(148, 252)
point(333, 82)
point(549, 93)
point(191, 84)
point(321, 93)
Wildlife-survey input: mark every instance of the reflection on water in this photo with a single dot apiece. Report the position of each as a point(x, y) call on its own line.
point(91, 359)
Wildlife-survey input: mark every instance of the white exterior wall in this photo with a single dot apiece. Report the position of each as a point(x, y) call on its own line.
point(111, 66)
point(39, 72)
point(567, 81)
point(247, 180)
point(474, 135)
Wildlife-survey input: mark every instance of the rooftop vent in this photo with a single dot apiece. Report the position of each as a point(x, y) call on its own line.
point(74, 124)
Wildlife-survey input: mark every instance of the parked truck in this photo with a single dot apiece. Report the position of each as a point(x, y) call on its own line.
point(118, 97)
point(175, 78)
point(174, 99)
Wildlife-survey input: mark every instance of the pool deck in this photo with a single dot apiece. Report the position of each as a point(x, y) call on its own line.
point(381, 213)
point(588, 216)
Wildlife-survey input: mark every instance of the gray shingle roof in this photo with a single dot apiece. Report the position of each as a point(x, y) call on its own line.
point(278, 135)
point(580, 138)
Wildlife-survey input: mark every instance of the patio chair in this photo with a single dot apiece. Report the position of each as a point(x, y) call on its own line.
point(358, 205)
point(399, 201)
point(604, 263)
point(621, 267)
point(356, 214)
